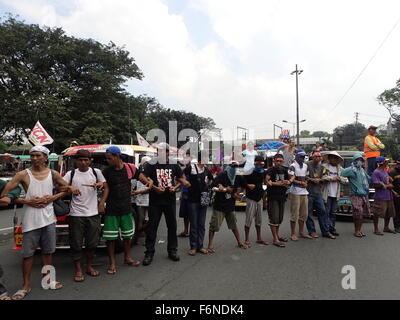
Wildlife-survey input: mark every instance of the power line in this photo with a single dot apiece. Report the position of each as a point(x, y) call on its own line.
point(366, 66)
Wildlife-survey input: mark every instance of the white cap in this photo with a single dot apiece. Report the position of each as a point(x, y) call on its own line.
point(41, 149)
point(145, 159)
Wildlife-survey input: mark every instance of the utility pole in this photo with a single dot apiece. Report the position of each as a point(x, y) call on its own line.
point(357, 114)
point(297, 72)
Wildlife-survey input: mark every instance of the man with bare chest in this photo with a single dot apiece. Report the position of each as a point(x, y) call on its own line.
point(39, 222)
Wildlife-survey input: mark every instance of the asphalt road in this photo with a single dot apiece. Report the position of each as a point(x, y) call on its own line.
point(307, 269)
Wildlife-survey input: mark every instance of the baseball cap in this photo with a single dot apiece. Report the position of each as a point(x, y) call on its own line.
point(114, 150)
point(301, 153)
point(381, 160)
point(372, 127)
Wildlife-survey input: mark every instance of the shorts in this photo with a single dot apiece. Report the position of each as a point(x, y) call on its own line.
point(361, 208)
point(82, 229)
point(298, 207)
point(276, 209)
point(218, 217)
point(45, 238)
point(253, 209)
point(383, 209)
point(112, 225)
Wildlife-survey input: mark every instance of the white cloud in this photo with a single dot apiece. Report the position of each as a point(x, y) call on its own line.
point(241, 76)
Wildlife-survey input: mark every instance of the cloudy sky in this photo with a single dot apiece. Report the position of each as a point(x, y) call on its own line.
point(231, 60)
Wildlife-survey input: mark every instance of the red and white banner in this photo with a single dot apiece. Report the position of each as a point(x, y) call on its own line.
point(142, 141)
point(39, 136)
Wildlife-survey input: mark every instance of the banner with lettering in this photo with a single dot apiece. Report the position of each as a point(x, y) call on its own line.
point(39, 136)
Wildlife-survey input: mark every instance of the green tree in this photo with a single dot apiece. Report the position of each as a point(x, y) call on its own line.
point(3, 147)
point(305, 134)
point(320, 134)
point(390, 99)
point(73, 86)
point(352, 135)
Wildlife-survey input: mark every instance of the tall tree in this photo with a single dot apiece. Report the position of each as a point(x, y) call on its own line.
point(390, 99)
point(73, 86)
point(352, 135)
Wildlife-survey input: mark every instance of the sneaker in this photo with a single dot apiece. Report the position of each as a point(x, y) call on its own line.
point(147, 260)
point(173, 256)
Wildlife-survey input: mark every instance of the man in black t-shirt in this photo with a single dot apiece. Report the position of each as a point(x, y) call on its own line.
point(395, 175)
point(118, 212)
point(225, 186)
point(163, 200)
point(253, 184)
point(277, 179)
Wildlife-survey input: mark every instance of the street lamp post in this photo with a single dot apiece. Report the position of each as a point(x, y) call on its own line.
point(297, 72)
point(277, 127)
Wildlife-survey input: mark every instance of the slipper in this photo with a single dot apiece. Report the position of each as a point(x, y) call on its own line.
point(279, 244)
point(211, 250)
point(79, 278)
point(243, 246)
point(191, 252)
point(183, 235)
point(21, 293)
point(378, 233)
point(93, 273)
point(363, 234)
point(203, 251)
point(283, 239)
point(248, 244)
point(265, 243)
point(54, 285)
point(358, 235)
point(133, 263)
point(4, 297)
point(111, 271)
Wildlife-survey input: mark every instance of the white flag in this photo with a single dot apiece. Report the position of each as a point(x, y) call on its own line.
point(39, 136)
point(142, 141)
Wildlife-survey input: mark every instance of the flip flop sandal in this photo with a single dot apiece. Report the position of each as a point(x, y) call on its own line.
point(363, 234)
point(243, 246)
point(283, 239)
point(54, 285)
point(203, 251)
point(358, 235)
point(279, 245)
point(111, 271)
point(133, 263)
point(211, 250)
point(79, 278)
point(21, 293)
point(265, 243)
point(379, 233)
point(248, 244)
point(93, 273)
point(4, 298)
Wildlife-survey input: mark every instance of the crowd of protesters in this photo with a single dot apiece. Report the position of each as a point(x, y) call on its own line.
point(133, 200)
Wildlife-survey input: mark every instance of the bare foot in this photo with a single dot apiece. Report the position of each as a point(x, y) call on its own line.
point(305, 236)
point(294, 238)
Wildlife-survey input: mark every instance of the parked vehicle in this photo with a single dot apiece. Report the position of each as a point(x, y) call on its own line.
point(344, 206)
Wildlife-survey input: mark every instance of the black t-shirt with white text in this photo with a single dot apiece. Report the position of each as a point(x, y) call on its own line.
point(163, 175)
point(277, 192)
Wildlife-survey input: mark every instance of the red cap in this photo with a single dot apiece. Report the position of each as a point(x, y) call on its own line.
point(372, 127)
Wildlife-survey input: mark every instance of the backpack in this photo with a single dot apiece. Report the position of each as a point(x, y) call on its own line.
point(73, 173)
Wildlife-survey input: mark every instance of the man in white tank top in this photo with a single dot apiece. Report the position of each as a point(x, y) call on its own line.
point(39, 222)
